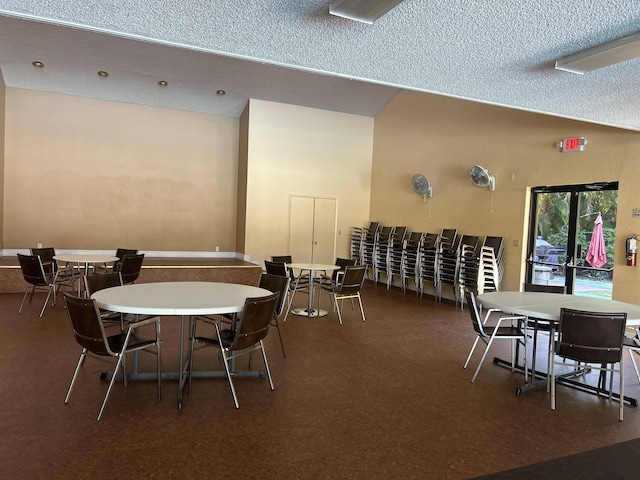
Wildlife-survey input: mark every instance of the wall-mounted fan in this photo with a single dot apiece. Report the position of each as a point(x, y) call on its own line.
point(421, 186)
point(480, 177)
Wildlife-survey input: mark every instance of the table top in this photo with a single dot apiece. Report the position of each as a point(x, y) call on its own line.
point(313, 266)
point(177, 298)
point(546, 306)
point(86, 258)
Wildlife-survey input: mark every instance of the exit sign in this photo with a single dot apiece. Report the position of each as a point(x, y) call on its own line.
point(573, 144)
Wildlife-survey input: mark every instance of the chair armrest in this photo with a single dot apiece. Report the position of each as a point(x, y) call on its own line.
point(142, 323)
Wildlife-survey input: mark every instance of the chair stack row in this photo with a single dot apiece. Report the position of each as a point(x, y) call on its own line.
point(444, 259)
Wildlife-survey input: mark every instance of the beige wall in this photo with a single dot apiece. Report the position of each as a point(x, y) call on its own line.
point(241, 217)
point(3, 90)
point(90, 174)
point(442, 137)
point(303, 151)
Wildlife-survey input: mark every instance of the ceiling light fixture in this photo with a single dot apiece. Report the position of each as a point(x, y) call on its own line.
point(220, 92)
point(366, 11)
point(37, 64)
point(610, 53)
point(163, 83)
point(102, 73)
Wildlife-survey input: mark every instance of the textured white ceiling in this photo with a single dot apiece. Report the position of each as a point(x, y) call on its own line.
point(292, 51)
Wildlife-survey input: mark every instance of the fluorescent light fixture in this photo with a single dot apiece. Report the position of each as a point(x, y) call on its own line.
point(366, 11)
point(610, 53)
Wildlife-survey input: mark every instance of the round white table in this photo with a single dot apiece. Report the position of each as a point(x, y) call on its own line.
point(312, 268)
point(183, 299)
point(546, 306)
point(83, 261)
point(177, 298)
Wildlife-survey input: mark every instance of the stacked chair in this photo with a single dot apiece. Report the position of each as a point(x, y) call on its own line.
point(395, 254)
point(447, 261)
point(428, 263)
point(357, 239)
point(382, 246)
point(436, 259)
point(410, 264)
point(369, 239)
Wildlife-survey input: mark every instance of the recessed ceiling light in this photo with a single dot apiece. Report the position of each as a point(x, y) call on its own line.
point(102, 73)
point(163, 83)
point(220, 92)
point(37, 64)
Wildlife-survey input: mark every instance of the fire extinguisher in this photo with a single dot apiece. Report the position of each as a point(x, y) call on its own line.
point(632, 250)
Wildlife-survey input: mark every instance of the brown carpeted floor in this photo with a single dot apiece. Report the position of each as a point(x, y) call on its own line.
point(383, 399)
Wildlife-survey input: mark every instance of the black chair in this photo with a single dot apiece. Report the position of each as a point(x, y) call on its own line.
point(303, 278)
point(89, 332)
point(50, 264)
point(328, 283)
point(349, 287)
point(96, 282)
point(299, 283)
point(276, 284)
point(120, 254)
point(591, 338)
point(276, 268)
point(130, 267)
point(489, 333)
point(537, 325)
point(37, 279)
point(250, 330)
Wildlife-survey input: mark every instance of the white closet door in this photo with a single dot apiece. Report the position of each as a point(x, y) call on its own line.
point(324, 230)
point(312, 229)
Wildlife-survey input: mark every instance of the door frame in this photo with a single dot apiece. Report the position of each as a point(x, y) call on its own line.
point(574, 217)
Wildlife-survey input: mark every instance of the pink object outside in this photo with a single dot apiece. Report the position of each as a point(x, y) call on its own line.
point(597, 252)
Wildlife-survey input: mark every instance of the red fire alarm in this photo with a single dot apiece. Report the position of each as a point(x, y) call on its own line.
point(573, 144)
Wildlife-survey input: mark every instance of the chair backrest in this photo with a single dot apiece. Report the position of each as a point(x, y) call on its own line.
point(275, 268)
point(46, 255)
point(254, 322)
point(399, 234)
point(86, 324)
point(534, 287)
point(32, 269)
point(281, 258)
point(474, 313)
point(130, 267)
point(94, 283)
point(285, 259)
point(352, 280)
point(120, 253)
point(342, 263)
point(276, 283)
point(592, 337)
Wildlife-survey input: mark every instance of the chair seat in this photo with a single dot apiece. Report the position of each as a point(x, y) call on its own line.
point(116, 342)
point(251, 328)
point(504, 331)
point(543, 325)
point(226, 335)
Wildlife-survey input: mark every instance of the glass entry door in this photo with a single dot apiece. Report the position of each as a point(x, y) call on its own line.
point(571, 239)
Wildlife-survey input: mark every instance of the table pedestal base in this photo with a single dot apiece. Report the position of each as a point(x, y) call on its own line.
point(306, 312)
point(566, 380)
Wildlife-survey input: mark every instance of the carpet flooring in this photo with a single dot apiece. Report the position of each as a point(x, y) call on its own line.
point(383, 399)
